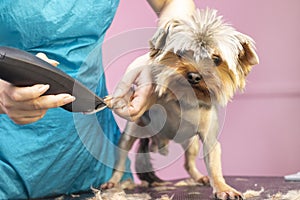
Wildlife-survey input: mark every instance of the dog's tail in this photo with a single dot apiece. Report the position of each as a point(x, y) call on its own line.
point(143, 166)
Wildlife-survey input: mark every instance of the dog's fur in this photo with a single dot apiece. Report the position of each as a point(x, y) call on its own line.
point(197, 64)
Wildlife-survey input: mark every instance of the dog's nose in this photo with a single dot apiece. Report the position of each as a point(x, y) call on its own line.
point(194, 78)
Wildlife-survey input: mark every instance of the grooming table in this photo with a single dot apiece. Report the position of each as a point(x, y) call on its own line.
point(271, 185)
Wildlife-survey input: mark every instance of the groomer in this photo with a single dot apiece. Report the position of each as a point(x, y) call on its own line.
point(45, 150)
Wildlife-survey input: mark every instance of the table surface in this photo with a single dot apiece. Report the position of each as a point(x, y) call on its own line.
point(271, 185)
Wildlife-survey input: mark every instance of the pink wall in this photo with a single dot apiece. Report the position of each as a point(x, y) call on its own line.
point(261, 134)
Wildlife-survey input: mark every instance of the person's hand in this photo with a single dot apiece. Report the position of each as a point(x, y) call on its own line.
point(25, 105)
point(172, 9)
point(45, 58)
point(133, 93)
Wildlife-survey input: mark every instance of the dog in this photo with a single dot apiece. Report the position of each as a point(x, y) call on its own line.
point(197, 65)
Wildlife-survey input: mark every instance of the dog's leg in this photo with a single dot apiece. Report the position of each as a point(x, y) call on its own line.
point(125, 144)
point(212, 157)
point(191, 150)
point(163, 146)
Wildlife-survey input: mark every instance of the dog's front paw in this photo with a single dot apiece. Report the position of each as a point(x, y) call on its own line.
point(107, 185)
point(228, 195)
point(204, 180)
point(226, 192)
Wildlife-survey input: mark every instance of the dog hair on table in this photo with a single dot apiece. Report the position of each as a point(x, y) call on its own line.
point(197, 64)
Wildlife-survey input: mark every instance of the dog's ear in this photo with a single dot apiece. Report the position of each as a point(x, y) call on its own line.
point(159, 38)
point(247, 55)
point(158, 41)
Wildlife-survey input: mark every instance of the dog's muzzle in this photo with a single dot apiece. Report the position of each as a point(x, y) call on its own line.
point(194, 78)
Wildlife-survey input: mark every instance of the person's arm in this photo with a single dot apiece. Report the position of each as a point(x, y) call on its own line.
point(139, 72)
point(168, 9)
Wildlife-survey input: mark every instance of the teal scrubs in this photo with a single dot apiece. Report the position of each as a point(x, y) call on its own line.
point(64, 152)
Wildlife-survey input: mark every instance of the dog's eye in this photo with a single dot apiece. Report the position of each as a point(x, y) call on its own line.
point(217, 60)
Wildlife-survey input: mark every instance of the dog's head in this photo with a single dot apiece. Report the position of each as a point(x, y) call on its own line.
point(202, 53)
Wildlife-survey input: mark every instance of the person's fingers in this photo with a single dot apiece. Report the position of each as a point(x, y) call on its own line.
point(47, 101)
point(129, 102)
point(26, 117)
point(19, 94)
point(23, 121)
point(32, 110)
point(133, 71)
point(124, 89)
point(142, 95)
point(26, 105)
point(134, 107)
point(32, 95)
point(45, 58)
point(140, 101)
point(124, 113)
point(121, 89)
point(140, 76)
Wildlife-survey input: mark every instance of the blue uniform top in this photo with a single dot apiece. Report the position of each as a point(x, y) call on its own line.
point(63, 152)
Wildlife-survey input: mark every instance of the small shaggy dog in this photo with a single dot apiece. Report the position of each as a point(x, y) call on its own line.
point(197, 64)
